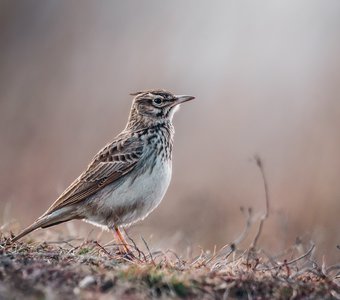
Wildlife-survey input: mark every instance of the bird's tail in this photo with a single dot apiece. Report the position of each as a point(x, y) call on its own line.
point(54, 218)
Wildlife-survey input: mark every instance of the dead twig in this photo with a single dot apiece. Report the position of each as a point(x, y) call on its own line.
point(308, 253)
point(140, 253)
point(332, 268)
point(150, 254)
point(180, 262)
point(233, 246)
point(103, 249)
point(267, 198)
point(244, 233)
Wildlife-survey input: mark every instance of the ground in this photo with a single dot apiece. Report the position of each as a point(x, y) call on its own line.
point(74, 269)
point(70, 268)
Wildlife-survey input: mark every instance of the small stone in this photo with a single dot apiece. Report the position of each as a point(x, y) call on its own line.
point(87, 281)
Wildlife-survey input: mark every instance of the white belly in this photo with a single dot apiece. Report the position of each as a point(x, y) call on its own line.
point(131, 201)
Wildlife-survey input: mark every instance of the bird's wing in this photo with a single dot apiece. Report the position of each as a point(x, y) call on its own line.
point(113, 162)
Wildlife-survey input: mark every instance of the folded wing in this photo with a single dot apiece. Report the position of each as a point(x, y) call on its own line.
point(111, 163)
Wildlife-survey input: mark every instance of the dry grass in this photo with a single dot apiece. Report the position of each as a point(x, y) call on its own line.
point(69, 269)
point(88, 270)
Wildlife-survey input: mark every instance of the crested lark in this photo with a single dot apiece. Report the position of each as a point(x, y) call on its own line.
point(128, 178)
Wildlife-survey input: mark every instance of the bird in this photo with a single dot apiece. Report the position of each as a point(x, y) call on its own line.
point(127, 179)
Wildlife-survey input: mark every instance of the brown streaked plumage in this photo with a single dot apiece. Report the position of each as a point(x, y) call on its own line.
point(128, 178)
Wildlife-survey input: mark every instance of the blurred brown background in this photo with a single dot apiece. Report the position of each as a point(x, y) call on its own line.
point(266, 75)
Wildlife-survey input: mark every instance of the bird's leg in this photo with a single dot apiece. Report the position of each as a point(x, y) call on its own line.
point(122, 240)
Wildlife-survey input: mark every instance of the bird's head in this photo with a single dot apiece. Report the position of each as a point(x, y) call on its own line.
point(155, 106)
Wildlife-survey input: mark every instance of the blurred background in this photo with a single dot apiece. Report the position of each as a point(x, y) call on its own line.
point(266, 75)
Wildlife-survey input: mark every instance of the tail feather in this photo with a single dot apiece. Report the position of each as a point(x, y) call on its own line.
point(44, 221)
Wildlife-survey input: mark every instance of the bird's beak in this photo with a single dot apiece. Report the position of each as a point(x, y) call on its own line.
point(183, 98)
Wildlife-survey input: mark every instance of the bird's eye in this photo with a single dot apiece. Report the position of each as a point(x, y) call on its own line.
point(158, 101)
